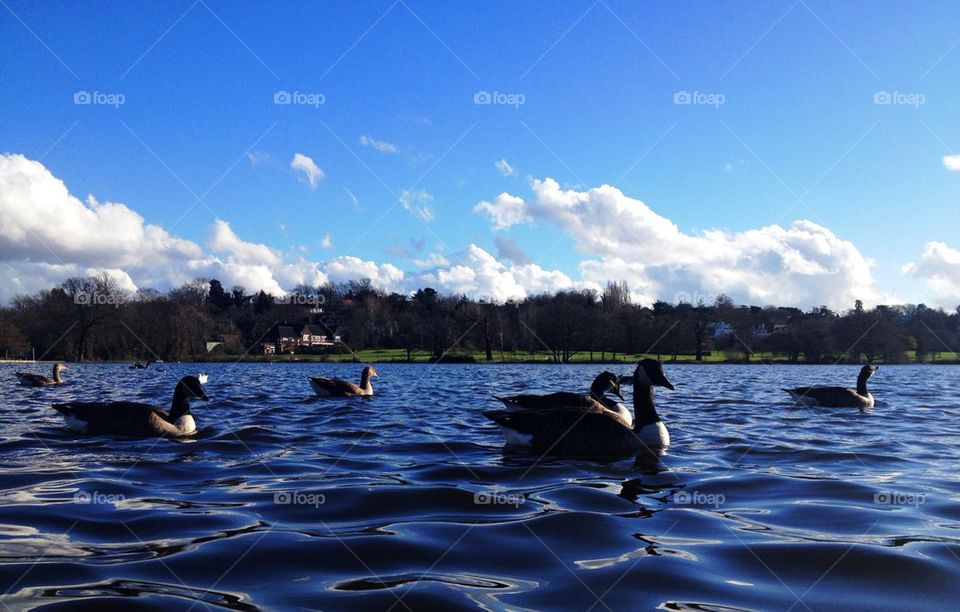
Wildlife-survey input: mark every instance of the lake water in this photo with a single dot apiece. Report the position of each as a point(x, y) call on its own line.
point(408, 501)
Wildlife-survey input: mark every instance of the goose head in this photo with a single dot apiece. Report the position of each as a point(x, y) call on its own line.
point(649, 373)
point(60, 367)
point(190, 387)
point(369, 372)
point(868, 370)
point(606, 382)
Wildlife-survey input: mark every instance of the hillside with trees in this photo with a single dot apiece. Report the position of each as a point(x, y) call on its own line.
point(92, 319)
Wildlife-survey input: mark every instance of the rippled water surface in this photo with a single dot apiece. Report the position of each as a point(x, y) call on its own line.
point(408, 500)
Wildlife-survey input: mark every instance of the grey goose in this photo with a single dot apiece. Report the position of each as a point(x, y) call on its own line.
point(38, 380)
point(335, 387)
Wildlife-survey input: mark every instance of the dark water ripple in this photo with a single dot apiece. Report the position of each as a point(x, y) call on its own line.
point(408, 500)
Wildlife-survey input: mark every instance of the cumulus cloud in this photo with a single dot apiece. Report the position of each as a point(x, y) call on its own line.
point(311, 171)
point(386, 276)
point(505, 168)
point(478, 274)
point(379, 145)
point(952, 162)
point(939, 266)
point(803, 264)
point(434, 259)
point(505, 211)
point(507, 248)
point(418, 203)
point(224, 240)
point(48, 235)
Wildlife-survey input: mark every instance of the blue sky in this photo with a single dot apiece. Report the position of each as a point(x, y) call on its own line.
point(790, 129)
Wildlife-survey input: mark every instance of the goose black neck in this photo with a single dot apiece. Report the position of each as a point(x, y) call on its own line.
point(644, 413)
point(862, 382)
point(181, 402)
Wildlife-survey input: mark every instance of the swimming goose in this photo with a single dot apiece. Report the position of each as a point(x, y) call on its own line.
point(37, 380)
point(564, 400)
point(837, 397)
point(334, 387)
point(135, 419)
point(590, 431)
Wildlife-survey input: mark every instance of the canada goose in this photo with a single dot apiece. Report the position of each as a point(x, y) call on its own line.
point(135, 419)
point(334, 387)
point(563, 400)
point(591, 431)
point(37, 380)
point(837, 397)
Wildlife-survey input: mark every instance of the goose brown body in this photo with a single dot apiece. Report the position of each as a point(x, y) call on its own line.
point(28, 379)
point(136, 419)
point(335, 387)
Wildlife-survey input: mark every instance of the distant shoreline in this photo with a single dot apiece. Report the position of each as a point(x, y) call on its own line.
point(460, 361)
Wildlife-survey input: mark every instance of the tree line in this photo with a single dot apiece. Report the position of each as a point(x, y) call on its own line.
point(92, 318)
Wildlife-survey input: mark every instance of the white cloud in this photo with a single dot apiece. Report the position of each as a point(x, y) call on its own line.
point(310, 169)
point(224, 240)
point(379, 145)
point(418, 203)
point(505, 168)
point(939, 266)
point(353, 199)
point(803, 264)
point(48, 235)
point(326, 242)
point(478, 274)
point(434, 259)
point(505, 211)
point(507, 248)
point(345, 268)
point(257, 157)
point(951, 162)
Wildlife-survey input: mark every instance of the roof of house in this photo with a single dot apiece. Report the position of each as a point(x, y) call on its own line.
point(285, 331)
point(313, 329)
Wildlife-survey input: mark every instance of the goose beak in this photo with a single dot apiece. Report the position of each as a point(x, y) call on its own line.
point(663, 382)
